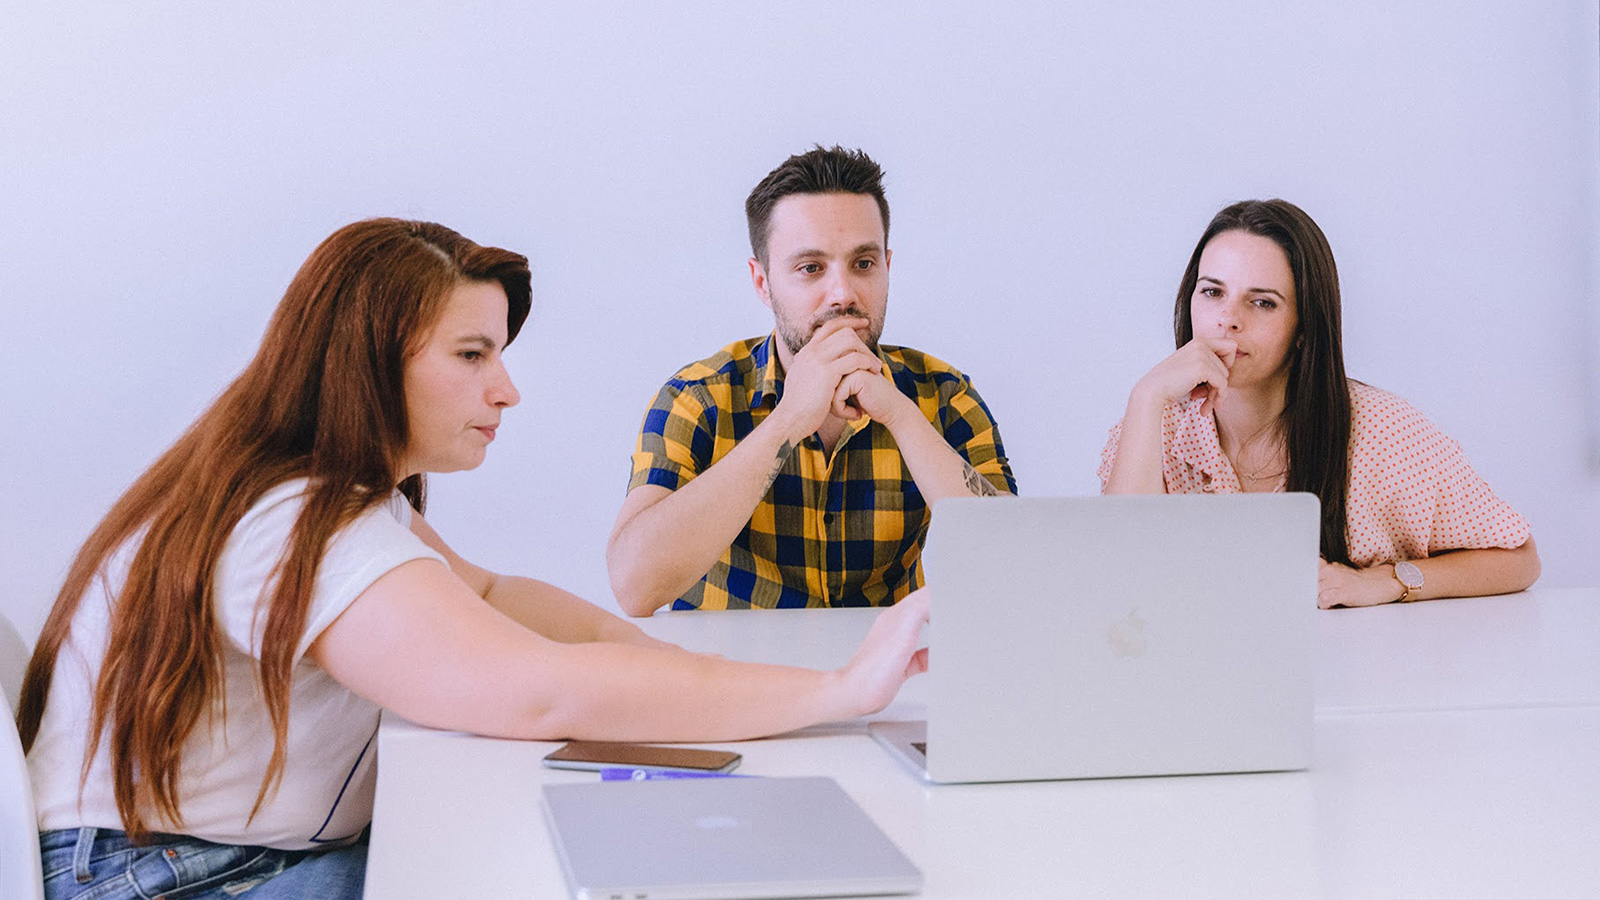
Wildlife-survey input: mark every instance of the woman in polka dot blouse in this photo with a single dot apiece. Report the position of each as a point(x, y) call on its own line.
point(1256, 399)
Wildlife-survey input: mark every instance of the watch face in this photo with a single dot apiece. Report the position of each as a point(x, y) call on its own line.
point(1409, 575)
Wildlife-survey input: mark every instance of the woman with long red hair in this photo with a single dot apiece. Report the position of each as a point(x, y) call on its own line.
point(201, 706)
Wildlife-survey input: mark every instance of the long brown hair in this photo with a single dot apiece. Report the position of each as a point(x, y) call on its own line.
point(322, 400)
point(1316, 409)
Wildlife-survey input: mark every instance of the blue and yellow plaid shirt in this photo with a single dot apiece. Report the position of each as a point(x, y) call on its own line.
point(839, 531)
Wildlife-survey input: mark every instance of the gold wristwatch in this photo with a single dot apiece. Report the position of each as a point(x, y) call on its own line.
point(1410, 578)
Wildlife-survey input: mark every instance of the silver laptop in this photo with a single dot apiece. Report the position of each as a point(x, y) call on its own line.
point(1097, 637)
point(721, 838)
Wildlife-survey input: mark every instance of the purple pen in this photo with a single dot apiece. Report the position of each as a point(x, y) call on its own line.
point(625, 773)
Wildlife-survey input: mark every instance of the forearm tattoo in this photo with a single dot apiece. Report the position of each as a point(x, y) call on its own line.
point(778, 460)
point(977, 484)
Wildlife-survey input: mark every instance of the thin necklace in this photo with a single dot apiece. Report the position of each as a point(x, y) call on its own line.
point(1260, 474)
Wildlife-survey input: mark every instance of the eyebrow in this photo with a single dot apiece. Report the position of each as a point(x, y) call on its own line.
point(1255, 290)
point(859, 250)
point(481, 340)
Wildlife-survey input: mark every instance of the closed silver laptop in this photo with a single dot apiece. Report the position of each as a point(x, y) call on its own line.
point(1096, 637)
point(721, 839)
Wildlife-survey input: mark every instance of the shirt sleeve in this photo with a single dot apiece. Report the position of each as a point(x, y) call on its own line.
point(1108, 455)
point(970, 429)
point(1191, 457)
point(1413, 493)
point(676, 437)
point(356, 556)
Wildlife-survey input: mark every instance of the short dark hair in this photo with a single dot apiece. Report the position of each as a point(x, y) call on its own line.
point(833, 170)
point(1316, 411)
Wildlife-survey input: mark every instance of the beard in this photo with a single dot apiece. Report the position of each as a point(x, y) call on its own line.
point(796, 335)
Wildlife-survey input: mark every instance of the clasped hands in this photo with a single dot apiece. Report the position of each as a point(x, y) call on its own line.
point(835, 374)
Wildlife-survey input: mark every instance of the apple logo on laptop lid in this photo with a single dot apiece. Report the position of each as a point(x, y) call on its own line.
point(1126, 636)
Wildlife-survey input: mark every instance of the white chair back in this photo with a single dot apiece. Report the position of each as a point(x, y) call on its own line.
point(20, 874)
point(14, 653)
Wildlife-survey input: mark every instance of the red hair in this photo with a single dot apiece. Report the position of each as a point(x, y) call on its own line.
point(322, 400)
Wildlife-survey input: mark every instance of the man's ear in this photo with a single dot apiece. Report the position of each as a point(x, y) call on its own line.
point(758, 280)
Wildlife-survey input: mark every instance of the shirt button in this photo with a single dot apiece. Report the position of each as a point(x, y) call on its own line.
point(827, 518)
point(172, 854)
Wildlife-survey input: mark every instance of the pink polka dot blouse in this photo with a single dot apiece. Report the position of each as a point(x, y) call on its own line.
point(1412, 492)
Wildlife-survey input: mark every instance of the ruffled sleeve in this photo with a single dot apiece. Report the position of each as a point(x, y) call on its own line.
point(1412, 491)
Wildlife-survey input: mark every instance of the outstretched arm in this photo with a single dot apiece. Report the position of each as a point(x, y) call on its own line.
point(557, 614)
point(420, 642)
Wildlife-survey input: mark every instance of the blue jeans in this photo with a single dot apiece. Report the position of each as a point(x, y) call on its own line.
point(102, 864)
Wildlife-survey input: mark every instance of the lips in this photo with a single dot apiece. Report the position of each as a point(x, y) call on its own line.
point(849, 312)
point(486, 430)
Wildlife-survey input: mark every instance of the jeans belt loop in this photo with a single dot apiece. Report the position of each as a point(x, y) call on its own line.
point(80, 855)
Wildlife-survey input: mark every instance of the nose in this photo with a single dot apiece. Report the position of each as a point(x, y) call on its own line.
point(1228, 318)
point(502, 393)
point(840, 291)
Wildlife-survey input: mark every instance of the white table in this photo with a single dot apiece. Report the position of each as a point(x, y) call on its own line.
point(1536, 648)
point(1456, 746)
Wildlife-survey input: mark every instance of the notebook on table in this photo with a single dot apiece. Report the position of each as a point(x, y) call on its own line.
point(721, 839)
point(1094, 637)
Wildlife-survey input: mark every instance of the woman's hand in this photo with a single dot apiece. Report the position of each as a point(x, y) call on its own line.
point(887, 656)
point(1197, 369)
point(1341, 585)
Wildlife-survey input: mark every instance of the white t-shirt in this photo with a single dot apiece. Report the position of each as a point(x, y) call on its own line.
point(326, 793)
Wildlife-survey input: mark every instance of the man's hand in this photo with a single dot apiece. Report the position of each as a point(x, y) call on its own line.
point(870, 393)
point(1340, 585)
point(834, 352)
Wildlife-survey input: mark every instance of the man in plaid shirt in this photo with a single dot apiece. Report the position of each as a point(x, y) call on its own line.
point(797, 469)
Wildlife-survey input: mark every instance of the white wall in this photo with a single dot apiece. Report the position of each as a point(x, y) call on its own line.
point(165, 167)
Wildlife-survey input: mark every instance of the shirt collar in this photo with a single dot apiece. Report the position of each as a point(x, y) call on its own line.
point(768, 377)
point(1199, 433)
point(1196, 433)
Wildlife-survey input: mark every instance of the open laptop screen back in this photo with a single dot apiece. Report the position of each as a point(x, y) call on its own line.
point(1092, 637)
